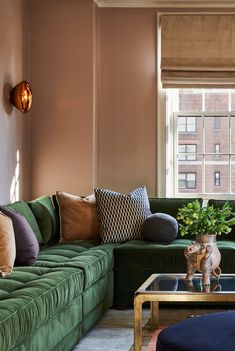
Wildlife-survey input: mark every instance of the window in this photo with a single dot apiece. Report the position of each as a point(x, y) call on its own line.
point(217, 151)
point(187, 180)
point(201, 162)
point(216, 123)
point(187, 152)
point(217, 178)
point(186, 124)
point(206, 161)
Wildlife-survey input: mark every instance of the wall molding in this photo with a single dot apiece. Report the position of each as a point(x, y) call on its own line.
point(167, 3)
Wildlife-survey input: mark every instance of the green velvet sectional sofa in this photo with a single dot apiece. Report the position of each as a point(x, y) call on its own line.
point(50, 305)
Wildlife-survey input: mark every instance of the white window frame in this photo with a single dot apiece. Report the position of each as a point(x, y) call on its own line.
point(230, 154)
point(167, 141)
point(165, 182)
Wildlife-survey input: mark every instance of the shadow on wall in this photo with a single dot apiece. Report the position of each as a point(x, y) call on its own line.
point(7, 105)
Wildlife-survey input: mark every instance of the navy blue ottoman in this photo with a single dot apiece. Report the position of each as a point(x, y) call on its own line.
point(212, 332)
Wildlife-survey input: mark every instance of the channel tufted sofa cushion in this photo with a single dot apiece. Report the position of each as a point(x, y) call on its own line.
point(31, 296)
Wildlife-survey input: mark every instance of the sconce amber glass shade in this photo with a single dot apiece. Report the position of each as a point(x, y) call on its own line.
point(21, 96)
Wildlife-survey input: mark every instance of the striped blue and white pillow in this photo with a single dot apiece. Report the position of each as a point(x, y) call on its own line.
point(121, 216)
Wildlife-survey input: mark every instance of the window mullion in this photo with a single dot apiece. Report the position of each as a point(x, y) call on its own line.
point(175, 154)
point(203, 149)
point(230, 151)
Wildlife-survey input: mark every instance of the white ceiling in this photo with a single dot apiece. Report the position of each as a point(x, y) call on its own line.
point(166, 3)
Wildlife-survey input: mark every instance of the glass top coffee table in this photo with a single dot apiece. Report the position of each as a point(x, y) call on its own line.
point(173, 288)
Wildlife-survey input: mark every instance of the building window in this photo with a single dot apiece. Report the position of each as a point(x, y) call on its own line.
point(187, 152)
point(216, 122)
point(187, 180)
point(217, 178)
point(217, 151)
point(186, 124)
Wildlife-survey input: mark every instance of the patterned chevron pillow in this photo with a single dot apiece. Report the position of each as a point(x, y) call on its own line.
point(121, 216)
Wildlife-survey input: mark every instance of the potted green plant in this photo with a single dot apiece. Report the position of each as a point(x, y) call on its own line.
point(206, 223)
point(195, 219)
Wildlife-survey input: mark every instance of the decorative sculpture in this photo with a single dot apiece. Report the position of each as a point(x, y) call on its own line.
point(203, 256)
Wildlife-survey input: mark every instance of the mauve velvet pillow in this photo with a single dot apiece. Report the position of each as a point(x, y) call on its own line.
point(27, 247)
point(160, 227)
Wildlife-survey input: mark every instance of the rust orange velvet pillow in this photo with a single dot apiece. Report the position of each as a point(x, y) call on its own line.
point(78, 217)
point(7, 245)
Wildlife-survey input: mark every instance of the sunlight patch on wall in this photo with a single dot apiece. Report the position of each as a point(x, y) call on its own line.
point(15, 185)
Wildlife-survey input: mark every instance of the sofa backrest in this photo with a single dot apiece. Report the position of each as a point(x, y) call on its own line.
point(23, 208)
point(42, 217)
point(46, 216)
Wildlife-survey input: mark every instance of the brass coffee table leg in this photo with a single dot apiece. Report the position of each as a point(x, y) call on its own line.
point(137, 323)
point(154, 305)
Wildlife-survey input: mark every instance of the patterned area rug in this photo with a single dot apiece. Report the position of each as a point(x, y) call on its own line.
point(149, 338)
point(114, 332)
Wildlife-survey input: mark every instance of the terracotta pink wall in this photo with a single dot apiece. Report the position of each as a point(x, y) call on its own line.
point(127, 99)
point(94, 110)
point(61, 64)
point(14, 126)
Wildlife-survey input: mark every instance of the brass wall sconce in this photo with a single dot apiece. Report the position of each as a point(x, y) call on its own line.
point(21, 96)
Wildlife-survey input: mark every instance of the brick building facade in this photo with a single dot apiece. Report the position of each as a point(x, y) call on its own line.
point(206, 141)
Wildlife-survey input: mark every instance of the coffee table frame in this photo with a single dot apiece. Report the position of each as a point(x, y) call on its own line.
point(154, 297)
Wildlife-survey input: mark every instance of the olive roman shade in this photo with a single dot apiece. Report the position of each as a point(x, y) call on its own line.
point(198, 50)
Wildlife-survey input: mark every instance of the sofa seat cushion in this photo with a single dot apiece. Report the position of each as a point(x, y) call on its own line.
point(94, 263)
point(52, 256)
point(157, 257)
point(165, 258)
point(31, 296)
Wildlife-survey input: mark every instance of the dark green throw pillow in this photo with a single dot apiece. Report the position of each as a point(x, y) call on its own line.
point(22, 208)
point(44, 212)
